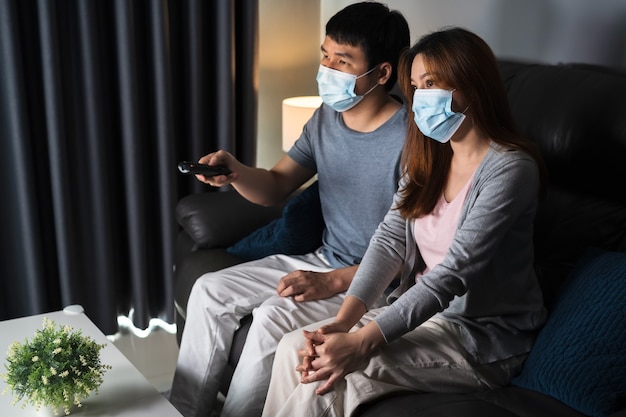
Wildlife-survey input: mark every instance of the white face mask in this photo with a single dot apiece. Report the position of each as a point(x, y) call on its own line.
point(337, 88)
point(433, 114)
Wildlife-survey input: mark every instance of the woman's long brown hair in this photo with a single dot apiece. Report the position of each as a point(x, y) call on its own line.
point(456, 59)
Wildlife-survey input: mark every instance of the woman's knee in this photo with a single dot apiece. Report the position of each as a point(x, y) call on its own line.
point(290, 343)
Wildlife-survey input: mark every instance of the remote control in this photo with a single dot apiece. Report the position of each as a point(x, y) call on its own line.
point(187, 167)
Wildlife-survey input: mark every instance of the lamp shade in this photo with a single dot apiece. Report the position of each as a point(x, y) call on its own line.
point(296, 112)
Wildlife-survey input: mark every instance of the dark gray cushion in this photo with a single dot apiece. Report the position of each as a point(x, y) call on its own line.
point(215, 219)
point(298, 231)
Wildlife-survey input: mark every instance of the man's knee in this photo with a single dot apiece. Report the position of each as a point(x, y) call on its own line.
point(273, 319)
point(202, 283)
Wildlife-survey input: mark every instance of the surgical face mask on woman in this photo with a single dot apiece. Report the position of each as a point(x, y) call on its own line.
point(433, 113)
point(337, 88)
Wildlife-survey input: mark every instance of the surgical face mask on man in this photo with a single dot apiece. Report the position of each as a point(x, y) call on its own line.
point(337, 88)
point(433, 114)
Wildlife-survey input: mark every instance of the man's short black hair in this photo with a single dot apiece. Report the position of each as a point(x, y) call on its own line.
point(380, 32)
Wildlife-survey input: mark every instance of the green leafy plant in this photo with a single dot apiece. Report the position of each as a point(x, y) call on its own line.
point(58, 368)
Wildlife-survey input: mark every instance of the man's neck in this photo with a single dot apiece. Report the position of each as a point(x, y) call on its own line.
point(371, 113)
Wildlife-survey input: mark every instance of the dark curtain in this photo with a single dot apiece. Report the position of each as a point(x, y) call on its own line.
point(99, 100)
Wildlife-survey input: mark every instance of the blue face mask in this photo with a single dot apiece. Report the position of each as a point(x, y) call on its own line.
point(433, 114)
point(337, 88)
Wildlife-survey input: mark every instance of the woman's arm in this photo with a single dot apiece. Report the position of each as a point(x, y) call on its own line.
point(383, 258)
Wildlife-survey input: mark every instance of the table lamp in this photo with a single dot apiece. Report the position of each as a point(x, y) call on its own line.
point(296, 112)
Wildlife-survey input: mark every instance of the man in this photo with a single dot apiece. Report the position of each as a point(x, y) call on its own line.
point(353, 143)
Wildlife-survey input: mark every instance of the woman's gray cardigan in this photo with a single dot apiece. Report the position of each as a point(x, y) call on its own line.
point(486, 282)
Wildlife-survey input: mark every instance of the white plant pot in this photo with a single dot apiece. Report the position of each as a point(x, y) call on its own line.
point(49, 411)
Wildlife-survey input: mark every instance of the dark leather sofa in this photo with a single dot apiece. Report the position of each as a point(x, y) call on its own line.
point(577, 115)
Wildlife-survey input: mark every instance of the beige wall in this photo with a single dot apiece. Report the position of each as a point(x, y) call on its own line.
point(549, 31)
point(288, 60)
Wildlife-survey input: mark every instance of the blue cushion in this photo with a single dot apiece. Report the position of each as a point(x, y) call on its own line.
point(579, 357)
point(298, 231)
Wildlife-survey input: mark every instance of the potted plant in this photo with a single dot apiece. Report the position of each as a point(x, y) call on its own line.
point(57, 369)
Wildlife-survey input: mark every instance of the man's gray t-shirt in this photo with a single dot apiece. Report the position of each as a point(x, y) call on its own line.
point(358, 175)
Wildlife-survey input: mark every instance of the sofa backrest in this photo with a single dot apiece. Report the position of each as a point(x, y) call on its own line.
point(576, 113)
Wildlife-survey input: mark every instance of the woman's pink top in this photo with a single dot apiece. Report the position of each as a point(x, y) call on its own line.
point(434, 232)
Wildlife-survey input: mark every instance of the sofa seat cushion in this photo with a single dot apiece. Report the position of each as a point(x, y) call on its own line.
point(579, 357)
point(501, 402)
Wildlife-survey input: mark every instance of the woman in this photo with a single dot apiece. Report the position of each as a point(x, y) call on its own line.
point(468, 306)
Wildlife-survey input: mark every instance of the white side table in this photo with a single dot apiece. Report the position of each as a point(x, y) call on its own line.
point(125, 392)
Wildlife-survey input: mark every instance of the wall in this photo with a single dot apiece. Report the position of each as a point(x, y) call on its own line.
point(548, 31)
point(288, 60)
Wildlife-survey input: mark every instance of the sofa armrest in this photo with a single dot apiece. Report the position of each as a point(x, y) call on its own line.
point(219, 219)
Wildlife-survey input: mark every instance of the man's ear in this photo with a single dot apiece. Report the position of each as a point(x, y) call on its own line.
point(384, 72)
